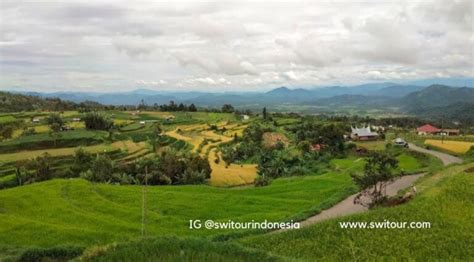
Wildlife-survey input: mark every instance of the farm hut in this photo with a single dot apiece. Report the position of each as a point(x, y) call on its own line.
point(245, 117)
point(142, 123)
point(35, 120)
point(427, 130)
point(76, 119)
point(363, 133)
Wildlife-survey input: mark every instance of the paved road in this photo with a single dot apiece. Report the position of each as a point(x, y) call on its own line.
point(347, 206)
point(445, 158)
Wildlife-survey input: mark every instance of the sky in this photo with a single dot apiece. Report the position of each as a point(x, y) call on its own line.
point(105, 46)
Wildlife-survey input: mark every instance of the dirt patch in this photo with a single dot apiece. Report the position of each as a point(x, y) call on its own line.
point(469, 170)
point(271, 139)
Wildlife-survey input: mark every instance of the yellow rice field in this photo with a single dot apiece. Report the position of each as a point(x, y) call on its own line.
point(38, 129)
point(232, 175)
point(453, 146)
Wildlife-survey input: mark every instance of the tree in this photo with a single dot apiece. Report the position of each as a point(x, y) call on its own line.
point(97, 121)
point(55, 119)
point(227, 108)
point(155, 137)
point(42, 167)
point(264, 113)
point(102, 169)
point(6, 132)
point(378, 171)
point(192, 108)
point(55, 128)
point(82, 162)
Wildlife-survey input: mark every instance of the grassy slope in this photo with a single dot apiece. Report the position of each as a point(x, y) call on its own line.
point(76, 212)
point(446, 200)
point(175, 249)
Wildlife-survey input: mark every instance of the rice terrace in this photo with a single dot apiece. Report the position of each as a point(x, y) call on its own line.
point(236, 131)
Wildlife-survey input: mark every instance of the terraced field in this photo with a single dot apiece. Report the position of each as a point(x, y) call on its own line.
point(222, 174)
point(129, 146)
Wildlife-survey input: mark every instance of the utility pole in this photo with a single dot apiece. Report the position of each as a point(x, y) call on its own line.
point(442, 130)
point(144, 191)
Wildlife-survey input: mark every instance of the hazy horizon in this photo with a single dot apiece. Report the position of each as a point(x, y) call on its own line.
point(231, 46)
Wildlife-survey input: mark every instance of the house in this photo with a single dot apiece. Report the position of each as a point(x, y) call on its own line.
point(142, 123)
point(449, 132)
point(245, 117)
point(35, 120)
point(76, 119)
point(427, 130)
point(363, 133)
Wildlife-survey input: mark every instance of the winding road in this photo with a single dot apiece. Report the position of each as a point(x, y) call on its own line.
point(445, 158)
point(347, 206)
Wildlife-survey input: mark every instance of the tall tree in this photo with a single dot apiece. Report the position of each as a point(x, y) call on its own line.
point(378, 171)
point(227, 108)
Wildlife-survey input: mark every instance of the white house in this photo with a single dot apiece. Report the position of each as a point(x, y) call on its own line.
point(363, 133)
point(245, 117)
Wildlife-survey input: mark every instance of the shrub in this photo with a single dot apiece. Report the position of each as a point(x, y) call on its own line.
point(192, 177)
point(51, 254)
point(298, 171)
point(261, 181)
point(97, 121)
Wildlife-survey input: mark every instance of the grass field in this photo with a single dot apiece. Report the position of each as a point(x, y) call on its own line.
point(77, 212)
point(7, 119)
point(378, 145)
point(446, 201)
point(459, 147)
point(167, 248)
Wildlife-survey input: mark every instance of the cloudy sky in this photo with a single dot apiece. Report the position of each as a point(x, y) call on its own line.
point(230, 45)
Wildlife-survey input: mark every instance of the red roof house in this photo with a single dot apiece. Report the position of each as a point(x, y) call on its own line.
point(427, 129)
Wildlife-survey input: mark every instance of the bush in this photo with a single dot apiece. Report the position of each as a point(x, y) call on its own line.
point(51, 254)
point(261, 181)
point(298, 171)
point(97, 121)
point(192, 177)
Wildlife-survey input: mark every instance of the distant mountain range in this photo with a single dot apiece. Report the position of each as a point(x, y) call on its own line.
point(281, 95)
point(434, 101)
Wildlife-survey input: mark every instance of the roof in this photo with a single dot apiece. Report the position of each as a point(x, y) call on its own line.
point(428, 129)
point(451, 130)
point(364, 131)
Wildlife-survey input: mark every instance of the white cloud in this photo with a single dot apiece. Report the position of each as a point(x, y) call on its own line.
point(245, 45)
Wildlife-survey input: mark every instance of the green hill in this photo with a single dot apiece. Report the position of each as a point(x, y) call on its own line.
point(437, 96)
point(446, 200)
point(77, 213)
